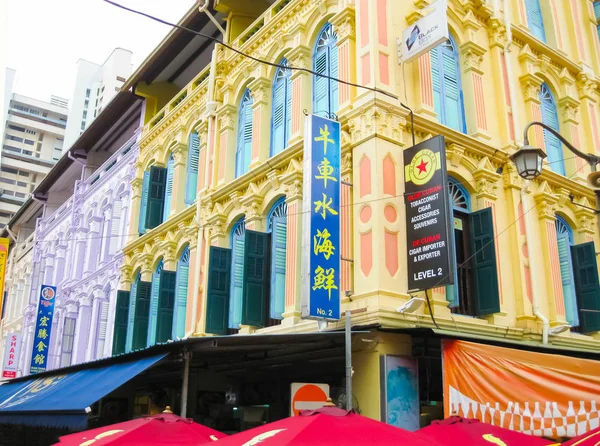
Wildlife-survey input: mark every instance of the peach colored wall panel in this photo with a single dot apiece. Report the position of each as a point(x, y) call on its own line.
point(365, 177)
point(291, 254)
point(382, 22)
point(425, 79)
point(364, 23)
point(384, 69)
point(222, 156)
point(365, 62)
point(366, 253)
point(391, 252)
point(389, 176)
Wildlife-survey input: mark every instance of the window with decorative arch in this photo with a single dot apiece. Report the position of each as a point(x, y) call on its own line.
point(550, 118)
point(325, 61)
point(475, 287)
point(448, 99)
point(243, 153)
point(281, 117)
point(277, 227)
point(237, 243)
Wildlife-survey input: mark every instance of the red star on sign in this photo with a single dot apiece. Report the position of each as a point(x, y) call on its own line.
point(422, 167)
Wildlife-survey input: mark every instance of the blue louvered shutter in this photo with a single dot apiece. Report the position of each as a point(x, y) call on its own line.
point(321, 84)
point(248, 135)
point(568, 282)
point(597, 9)
point(166, 306)
point(169, 188)
point(144, 203)
point(452, 90)
point(156, 196)
point(217, 297)
point(131, 318)
point(587, 286)
point(535, 21)
point(142, 313)
point(550, 118)
point(154, 304)
point(279, 119)
point(244, 142)
point(121, 317)
point(598, 30)
point(436, 81)
point(256, 278)
point(237, 279)
point(288, 110)
point(333, 72)
point(191, 182)
point(183, 273)
point(278, 259)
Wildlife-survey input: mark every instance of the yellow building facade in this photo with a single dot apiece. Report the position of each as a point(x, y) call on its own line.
point(508, 62)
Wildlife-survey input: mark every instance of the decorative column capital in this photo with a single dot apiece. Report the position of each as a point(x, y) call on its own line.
point(530, 84)
point(292, 180)
point(586, 86)
point(546, 201)
point(512, 179)
point(570, 108)
point(179, 151)
point(260, 89)
point(216, 229)
point(497, 33)
point(344, 24)
point(472, 56)
point(252, 202)
point(225, 117)
point(300, 57)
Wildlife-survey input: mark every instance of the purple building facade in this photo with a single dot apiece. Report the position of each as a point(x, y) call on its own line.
point(78, 250)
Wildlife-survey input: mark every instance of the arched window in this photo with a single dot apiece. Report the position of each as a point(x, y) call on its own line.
point(277, 227)
point(238, 235)
point(168, 188)
point(281, 118)
point(191, 182)
point(447, 87)
point(564, 239)
point(243, 154)
point(183, 272)
point(325, 61)
point(550, 118)
point(154, 297)
point(461, 207)
point(535, 21)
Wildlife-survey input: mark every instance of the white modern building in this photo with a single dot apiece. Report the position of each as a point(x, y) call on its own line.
point(32, 143)
point(95, 86)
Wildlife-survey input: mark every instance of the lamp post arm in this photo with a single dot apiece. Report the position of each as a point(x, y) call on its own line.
point(589, 157)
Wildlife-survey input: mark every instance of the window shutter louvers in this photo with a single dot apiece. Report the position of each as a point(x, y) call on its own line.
point(121, 320)
point(131, 312)
point(115, 227)
point(219, 280)
point(156, 196)
point(144, 203)
point(333, 72)
point(535, 19)
point(278, 260)
point(237, 282)
point(568, 282)
point(142, 313)
point(154, 296)
point(166, 306)
point(168, 189)
point(550, 118)
point(191, 183)
point(183, 269)
point(485, 274)
point(255, 278)
point(585, 269)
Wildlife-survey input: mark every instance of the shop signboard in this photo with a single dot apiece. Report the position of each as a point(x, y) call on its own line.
point(321, 224)
point(12, 348)
point(426, 33)
point(43, 327)
point(428, 227)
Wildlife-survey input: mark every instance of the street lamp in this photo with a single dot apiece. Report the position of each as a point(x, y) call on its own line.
point(529, 159)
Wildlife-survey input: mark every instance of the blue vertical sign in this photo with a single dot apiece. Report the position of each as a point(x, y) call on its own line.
point(43, 327)
point(321, 224)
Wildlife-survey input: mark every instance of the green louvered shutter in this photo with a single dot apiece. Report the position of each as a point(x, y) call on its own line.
point(144, 203)
point(156, 196)
point(485, 274)
point(217, 301)
point(587, 286)
point(191, 182)
point(121, 317)
point(166, 305)
point(256, 278)
point(142, 312)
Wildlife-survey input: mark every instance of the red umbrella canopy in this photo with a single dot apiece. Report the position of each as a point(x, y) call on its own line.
point(460, 431)
point(326, 426)
point(591, 438)
point(164, 429)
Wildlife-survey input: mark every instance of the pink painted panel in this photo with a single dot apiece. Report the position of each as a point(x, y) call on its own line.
point(556, 24)
point(211, 154)
point(479, 102)
point(256, 134)
point(425, 79)
point(365, 177)
point(391, 252)
point(522, 12)
point(511, 127)
point(389, 176)
point(525, 253)
point(539, 132)
point(365, 63)
point(296, 104)
point(222, 156)
point(346, 232)
point(577, 21)
point(594, 125)
point(365, 214)
point(366, 253)
point(559, 299)
point(382, 22)
point(384, 69)
point(364, 23)
point(291, 251)
point(344, 71)
point(201, 169)
point(390, 213)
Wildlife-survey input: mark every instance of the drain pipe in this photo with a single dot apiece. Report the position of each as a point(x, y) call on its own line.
point(532, 265)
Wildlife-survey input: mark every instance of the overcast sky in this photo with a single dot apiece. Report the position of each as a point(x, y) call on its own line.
point(47, 37)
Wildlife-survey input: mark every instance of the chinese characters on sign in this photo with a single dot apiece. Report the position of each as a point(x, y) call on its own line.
point(321, 226)
point(12, 348)
point(428, 231)
point(43, 327)
point(4, 243)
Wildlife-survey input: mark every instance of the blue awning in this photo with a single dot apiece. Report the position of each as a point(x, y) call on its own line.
point(60, 400)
